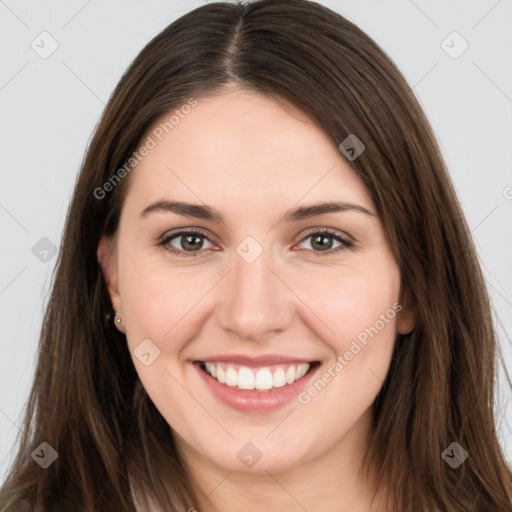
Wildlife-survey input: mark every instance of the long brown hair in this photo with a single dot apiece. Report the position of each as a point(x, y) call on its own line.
point(87, 401)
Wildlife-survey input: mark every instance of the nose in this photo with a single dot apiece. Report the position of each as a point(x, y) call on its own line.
point(256, 302)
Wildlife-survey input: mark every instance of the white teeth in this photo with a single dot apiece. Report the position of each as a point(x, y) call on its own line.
point(231, 378)
point(221, 377)
point(261, 380)
point(301, 370)
point(279, 378)
point(245, 378)
point(290, 375)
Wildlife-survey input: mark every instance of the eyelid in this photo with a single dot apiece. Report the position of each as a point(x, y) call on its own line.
point(346, 241)
point(181, 231)
point(330, 231)
point(309, 231)
point(165, 239)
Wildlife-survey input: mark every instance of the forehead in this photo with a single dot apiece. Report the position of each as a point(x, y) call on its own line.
point(247, 147)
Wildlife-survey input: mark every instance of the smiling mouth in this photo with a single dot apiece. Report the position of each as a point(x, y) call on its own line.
point(267, 378)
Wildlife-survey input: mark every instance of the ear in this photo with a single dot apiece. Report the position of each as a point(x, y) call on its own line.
point(106, 255)
point(407, 316)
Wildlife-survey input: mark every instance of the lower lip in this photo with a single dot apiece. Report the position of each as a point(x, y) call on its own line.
point(257, 402)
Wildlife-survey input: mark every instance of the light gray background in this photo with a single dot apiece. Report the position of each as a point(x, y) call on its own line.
point(49, 108)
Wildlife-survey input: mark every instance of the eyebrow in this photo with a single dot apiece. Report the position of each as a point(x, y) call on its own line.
point(205, 212)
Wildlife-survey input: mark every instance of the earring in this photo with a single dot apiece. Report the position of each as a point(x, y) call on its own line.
point(117, 319)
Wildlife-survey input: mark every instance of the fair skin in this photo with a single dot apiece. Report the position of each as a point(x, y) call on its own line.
point(252, 160)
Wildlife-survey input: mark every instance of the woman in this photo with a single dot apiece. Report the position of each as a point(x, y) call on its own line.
point(267, 296)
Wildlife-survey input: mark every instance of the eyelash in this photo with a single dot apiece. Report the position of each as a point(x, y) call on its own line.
point(345, 243)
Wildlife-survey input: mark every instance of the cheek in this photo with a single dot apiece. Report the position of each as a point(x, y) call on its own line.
point(157, 300)
point(352, 301)
point(359, 307)
point(151, 293)
point(161, 304)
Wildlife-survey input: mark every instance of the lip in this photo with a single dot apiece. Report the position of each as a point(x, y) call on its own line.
point(255, 362)
point(257, 402)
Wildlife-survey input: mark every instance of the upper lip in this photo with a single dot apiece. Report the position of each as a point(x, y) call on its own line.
point(264, 360)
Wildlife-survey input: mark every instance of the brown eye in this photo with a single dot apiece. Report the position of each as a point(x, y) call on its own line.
point(323, 241)
point(191, 242)
point(185, 242)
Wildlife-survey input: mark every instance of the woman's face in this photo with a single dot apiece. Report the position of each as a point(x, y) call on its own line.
point(222, 265)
